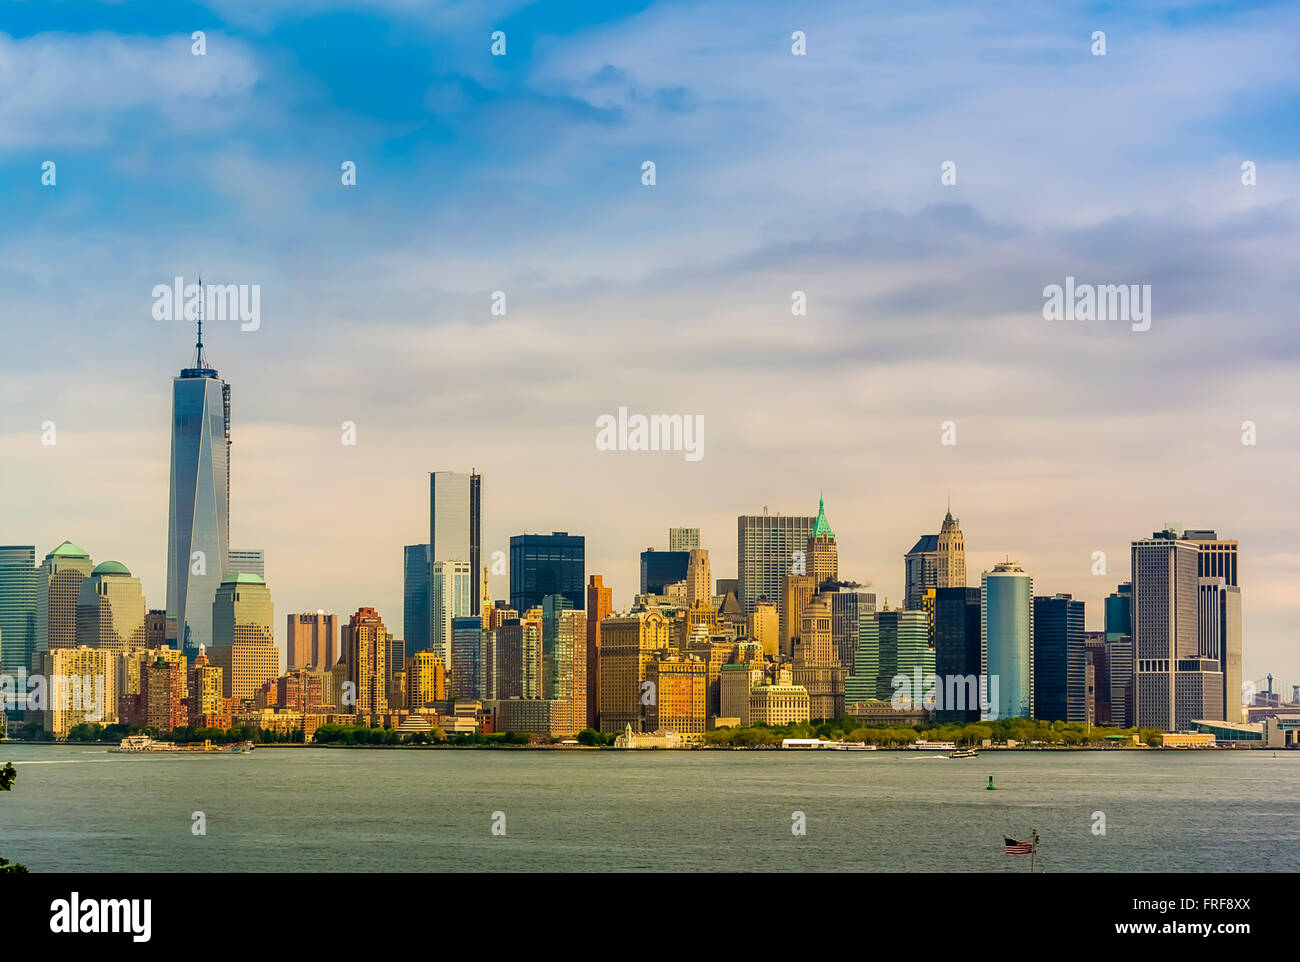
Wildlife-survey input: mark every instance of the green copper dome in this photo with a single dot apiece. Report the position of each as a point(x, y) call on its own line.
point(823, 527)
point(68, 550)
point(111, 568)
point(243, 578)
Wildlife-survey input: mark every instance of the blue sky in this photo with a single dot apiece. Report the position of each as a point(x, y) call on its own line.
point(775, 173)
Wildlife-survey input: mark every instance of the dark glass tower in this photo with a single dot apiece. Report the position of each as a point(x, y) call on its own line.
point(416, 596)
point(957, 653)
point(198, 530)
point(1060, 665)
point(547, 564)
point(661, 568)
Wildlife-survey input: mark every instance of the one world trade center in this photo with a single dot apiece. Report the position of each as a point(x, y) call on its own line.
point(198, 531)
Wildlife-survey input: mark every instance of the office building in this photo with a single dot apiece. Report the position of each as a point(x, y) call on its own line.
point(600, 605)
point(822, 561)
point(311, 640)
point(246, 666)
point(765, 626)
point(417, 596)
point(1007, 641)
point(365, 652)
point(796, 591)
point(450, 598)
point(683, 539)
point(950, 557)
point(778, 704)
point(768, 547)
point(163, 694)
point(1215, 557)
point(816, 664)
point(956, 636)
point(1060, 661)
point(920, 570)
point(58, 586)
point(198, 526)
point(699, 579)
point(1219, 638)
point(1120, 654)
point(547, 564)
point(680, 685)
point(18, 580)
point(111, 609)
point(659, 569)
point(242, 611)
point(1165, 626)
point(455, 525)
point(206, 694)
point(248, 561)
point(1098, 652)
point(735, 683)
point(80, 688)
point(469, 668)
point(155, 628)
point(426, 681)
point(564, 655)
point(628, 643)
point(851, 604)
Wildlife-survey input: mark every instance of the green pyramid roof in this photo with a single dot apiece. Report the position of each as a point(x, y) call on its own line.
point(68, 550)
point(243, 578)
point(823, 527)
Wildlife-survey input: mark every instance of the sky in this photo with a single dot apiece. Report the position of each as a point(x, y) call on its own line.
point(774, 173)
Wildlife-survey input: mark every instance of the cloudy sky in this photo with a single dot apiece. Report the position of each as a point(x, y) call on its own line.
point(775, 173)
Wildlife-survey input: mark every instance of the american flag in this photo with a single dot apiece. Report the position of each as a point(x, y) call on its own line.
point(1016, 848)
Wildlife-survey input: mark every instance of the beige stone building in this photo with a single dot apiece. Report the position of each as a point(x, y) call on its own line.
point(951, 563)
point(628, 644)
point(778, 705)
point(765, 627)
point(80, 688)
point(680, 695)
point(817, 665)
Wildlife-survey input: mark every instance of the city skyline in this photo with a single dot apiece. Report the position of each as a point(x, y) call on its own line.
point(1093, 621)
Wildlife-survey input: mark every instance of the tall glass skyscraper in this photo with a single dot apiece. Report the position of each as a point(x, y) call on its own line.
point(957, 653)
point(17, 607)
point(417, 593)
point(1007, 641)
point(1060, 661)
point(547, 564)
point(449, 599)
point(198, 530)
point(455, 523)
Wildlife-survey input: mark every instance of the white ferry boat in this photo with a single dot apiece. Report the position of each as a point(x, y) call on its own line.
point(926, 746)
point(142, 743)
point(855, 747)
point(807, 743)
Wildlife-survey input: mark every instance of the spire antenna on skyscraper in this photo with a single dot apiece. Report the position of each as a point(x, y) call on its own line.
point(199, 361)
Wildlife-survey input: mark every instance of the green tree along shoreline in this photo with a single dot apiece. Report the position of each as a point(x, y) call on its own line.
point(1028, 733)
